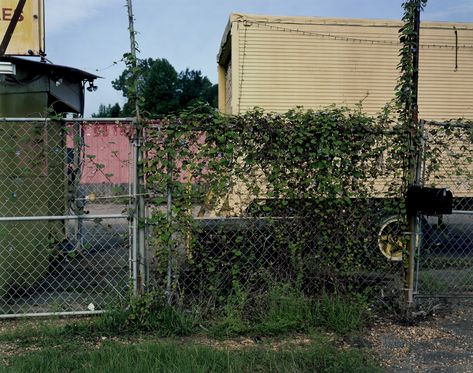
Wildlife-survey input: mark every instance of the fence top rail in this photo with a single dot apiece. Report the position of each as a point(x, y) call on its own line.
point(152, 123)
point(159, 124)
point(8, 219)
point(71, 120)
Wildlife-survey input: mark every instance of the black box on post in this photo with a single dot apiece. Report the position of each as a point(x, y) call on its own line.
point(429, 201)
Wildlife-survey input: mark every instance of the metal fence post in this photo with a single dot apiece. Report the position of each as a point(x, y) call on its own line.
point(139, 227)
point(170, 167)
point(419, 180)
point(412, 167)
point(135, 218)
point(142, 257)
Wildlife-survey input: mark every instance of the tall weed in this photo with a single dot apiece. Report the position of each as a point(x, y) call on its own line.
point(342, 314)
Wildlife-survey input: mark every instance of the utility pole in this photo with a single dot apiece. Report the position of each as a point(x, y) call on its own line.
point(414, 163)
point(139, 250)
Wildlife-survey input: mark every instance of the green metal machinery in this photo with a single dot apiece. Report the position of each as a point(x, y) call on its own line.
point(33, 165)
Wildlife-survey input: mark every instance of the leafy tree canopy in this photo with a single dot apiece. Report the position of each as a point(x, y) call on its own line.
point(193, 87)
point(108, 111)
point(162, 90)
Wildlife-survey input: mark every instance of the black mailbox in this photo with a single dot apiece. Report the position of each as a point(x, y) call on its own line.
point(429, 201)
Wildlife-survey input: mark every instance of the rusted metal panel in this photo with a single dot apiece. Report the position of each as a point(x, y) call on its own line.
point(107, 153)
point(111, 144)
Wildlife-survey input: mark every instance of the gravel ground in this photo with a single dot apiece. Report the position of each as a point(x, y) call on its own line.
point(443, 342)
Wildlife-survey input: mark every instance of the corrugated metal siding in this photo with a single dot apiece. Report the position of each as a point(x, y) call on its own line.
point(444, 92)
point(284, 65)
point(109, 144)
point(228, 88)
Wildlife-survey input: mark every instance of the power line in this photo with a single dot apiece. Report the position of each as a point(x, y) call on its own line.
point(114, 63)
point(348, 38)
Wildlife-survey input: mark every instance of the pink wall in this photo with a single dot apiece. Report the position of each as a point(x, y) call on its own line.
point(107, 153)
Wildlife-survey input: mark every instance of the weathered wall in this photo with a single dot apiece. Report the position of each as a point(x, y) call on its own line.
point(283, 62)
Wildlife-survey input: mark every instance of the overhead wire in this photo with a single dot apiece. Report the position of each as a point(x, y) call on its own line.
point(349, 38)
point(114, 63)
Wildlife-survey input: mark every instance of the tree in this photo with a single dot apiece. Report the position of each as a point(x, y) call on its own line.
point(108, 111)
point(160, 88)
point(163, 90)
point(157, 86)
point(193, 87)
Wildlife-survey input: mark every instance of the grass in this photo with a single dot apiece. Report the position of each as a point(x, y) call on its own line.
point(131, 339)
point(342, 315)
point(430, 284)
point(284, 310)
point(175, 357)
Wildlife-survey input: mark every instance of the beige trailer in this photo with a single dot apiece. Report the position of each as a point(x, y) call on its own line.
point(279, 63)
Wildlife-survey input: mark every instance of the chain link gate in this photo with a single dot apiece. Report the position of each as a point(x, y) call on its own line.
point(66, 215)
point(445, 255)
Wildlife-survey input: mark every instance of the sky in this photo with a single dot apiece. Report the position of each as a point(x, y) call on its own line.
point(93, 34)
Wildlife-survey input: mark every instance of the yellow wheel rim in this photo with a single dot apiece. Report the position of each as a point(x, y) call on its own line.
point(390, 239)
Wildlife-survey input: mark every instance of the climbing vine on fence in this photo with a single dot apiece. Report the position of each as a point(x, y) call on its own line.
point(240, 202)
point(409, 134)
point(319, 170)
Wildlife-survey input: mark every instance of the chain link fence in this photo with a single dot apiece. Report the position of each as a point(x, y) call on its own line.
point(244, 245)
point(313, 253)
point(68, 226)
point(358, 247)
point(445, 258)
point(64, 215)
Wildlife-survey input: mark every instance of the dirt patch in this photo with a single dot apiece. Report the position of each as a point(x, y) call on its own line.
point(441, 343)
point(15, 325)
point(245, 342)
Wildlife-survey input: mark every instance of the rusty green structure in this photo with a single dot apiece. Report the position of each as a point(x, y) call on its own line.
point(33, 164)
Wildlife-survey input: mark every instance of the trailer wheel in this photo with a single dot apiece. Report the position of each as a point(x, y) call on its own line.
point(390, 236)
point(390, 241)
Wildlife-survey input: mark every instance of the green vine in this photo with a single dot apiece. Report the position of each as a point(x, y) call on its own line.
point(409, 133)
point(300, 183)
point(240, 202)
